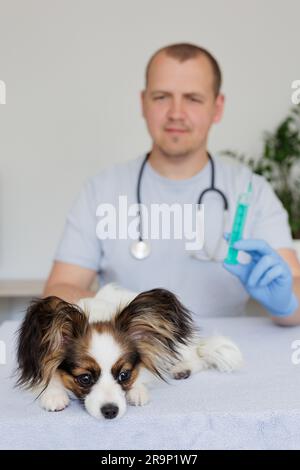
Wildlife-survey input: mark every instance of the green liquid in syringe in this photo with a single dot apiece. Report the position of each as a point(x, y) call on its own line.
point(237, 232)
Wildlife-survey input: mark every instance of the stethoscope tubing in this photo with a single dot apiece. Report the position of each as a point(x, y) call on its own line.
point(211, 188)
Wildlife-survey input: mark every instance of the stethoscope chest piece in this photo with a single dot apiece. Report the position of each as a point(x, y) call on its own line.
point(140, 249)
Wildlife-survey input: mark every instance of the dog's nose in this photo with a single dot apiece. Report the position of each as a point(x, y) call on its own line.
point(109, 411)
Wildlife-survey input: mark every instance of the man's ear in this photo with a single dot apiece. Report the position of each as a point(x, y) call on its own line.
point(143, 97)
point(49, 326)
point(219, 108)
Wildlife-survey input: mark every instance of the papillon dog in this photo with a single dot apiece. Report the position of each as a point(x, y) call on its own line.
point(105, 349)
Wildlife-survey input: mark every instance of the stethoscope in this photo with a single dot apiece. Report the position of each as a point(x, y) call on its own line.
point(140, 249)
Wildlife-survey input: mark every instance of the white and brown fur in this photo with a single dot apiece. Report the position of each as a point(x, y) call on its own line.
point(105, 349)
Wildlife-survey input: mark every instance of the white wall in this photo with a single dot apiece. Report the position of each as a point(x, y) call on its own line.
point(73, 70)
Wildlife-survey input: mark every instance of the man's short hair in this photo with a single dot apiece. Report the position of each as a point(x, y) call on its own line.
point(185, 51)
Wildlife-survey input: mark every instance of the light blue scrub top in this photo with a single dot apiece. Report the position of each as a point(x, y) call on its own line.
point(205, 287)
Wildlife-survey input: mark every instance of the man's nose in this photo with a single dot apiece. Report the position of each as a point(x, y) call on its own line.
point(176, 109)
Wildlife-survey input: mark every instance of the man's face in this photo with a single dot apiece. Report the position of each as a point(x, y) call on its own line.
point(179, 104)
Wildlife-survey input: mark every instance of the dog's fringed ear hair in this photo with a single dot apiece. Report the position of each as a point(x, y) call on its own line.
point(49, 326)
point(158, 323)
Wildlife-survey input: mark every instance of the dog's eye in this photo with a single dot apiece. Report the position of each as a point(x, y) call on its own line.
point(124, 375)
point(84, 380)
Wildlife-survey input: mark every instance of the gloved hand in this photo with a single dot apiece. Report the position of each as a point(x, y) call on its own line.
point(267, 278)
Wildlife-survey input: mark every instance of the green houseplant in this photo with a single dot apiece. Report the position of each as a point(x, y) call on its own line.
point(279, 164)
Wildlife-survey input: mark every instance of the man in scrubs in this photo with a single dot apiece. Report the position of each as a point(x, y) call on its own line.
point(181, 101)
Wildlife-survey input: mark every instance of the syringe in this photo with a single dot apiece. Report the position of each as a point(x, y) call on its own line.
point(238, 224)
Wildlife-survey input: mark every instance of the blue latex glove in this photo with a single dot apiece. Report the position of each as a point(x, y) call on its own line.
point(267, 278)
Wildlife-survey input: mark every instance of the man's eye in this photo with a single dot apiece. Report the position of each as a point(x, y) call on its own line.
point(124, 375)
point(160, 97)
point(85, 380)
point(195, 100)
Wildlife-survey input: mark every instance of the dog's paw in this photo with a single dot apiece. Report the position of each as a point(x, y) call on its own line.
point(138, 396)
point(183, 374)
point(54, 400)
point(180, 372)
point(221, 353)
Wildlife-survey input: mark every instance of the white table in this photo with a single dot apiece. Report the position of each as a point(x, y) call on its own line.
point(256, 408)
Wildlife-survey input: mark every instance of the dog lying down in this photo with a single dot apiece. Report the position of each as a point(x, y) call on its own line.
point(105, 349)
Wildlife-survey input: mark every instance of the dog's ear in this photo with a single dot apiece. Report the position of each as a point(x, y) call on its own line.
point(49, 326)
point(158, 323)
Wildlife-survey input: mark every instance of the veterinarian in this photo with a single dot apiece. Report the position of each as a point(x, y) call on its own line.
point(181, 102)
